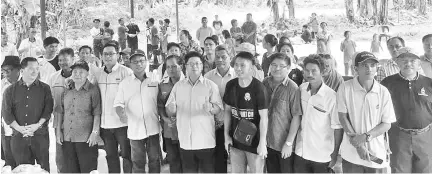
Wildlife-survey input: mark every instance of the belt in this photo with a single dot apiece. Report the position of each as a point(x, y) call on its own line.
point(416, 131)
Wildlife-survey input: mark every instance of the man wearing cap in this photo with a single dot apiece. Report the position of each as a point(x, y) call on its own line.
point(135, 104)
point(29, 117)
point(32, 46)
point(11, 71)
point(79, 122)
point(113, 129)
point(7, 49)
point(411, 134)
point(49, 61)
point(426, 59)
point(366, 113)
point(124, 57)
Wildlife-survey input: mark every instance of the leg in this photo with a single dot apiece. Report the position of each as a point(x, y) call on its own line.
point(125, 148)
point(255, 162)
point(59, 158)
point(273, 161)
point(189, 163)
point(221, 155)
point(301, 165)
point(7, 151)
point(206, 160)
point(40, 148)
point(138, 156)
point(346, 69)
point(71, 164)
point(153, 149)
point(238, 161)
point(374, 170)
point(87, 157)
point(173, 149)
point(348, 167)
point(422, 150)
point(21, 150)
point(111, 149)
point(402, 151)
point(320, 167)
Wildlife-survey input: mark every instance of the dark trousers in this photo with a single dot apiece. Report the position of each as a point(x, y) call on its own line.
point(122, 43)
point(7, 151)
point(302, 165)
point(132, 43)
point(150, 147)
point(156, 52)
point(97, 50)
point(173, 153)
point(60, 158)
point(348, 167)
point(26, 149)
point(276, 164)
point(411, 152)
point(79, 157)
point(112, 139)
point(221, 155)
point(195, 161)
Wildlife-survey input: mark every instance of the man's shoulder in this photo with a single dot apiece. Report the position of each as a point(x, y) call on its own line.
point(390, 78)
point(384, 61)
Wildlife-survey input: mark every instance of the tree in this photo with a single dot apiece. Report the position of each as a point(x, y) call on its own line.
point(383, 15)
point(422, 7)
point(290, 4)
point(349, 7)
point(410, 4)
point(274, 8)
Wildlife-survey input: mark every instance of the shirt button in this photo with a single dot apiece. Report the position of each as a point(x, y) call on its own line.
point(27, 96)
point(26, 115)
point(27, 106)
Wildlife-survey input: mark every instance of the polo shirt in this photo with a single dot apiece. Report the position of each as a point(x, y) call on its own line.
point(57, 82)
point(203, 33)
point(365, 110)
point(139, 99)
point(6, 128)
point(412, 100)
point(108, 84)
point(34, 49)
point(315, 140)
point(387, 68)
point(46, 69)
point(195, 126)
point(426, 64)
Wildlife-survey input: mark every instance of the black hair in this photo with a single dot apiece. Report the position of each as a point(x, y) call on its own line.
point(133, 56)
point(172, 44)
point(226, 34)
point(385, 27)
point(167, 21)
point(397, 38)
point(282, 57)
point(187, 34)
point(217, 22)
point(314, 59)
point(96, 20)
point(151, 20)
point(50, 40)
point(323, 23)
point(180, 61)
point(107, 24)
point(279, 47)
point(203, 18)
point(426, 37)
point(305, 26)
point(247, 56)
point(193, 54)
point(67, 51)
point(240, 39)
point(120, 19)
point(232, 21)
point(26, 60)
point(346, 33)
point(271, 39)
point(281, 40)
point(214, 38)
point(111, 44)
point(84, 47)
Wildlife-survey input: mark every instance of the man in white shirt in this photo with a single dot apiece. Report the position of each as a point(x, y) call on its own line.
point(49, 61)
point(31, 47)
point(320, 134)
point(366, 113)
point(203, 32)
point(426, 59)
point(113, 130)
point(97, 34)
point(7, 49)
point(135, 104)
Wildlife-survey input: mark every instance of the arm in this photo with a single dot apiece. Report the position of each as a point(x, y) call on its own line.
point(119, 103)
point(263, 127)
point(227, 123)
point(161, 106)
point(198, 34)
point(23, 47)
point(48, 107)
point(342, 46)
point(96, 112)
point(171, 104)
point(215, 100)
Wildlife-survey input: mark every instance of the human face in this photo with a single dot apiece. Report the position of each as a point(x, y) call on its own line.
point(427, 46)
point(348, 35)
point(85, 54)
point(222, 59)
point(125, 58)
point(174, 51)
point(243, 67)
point(408, 65)
point(235, 24)
point(204, 22)
point(367, 69)
point(32, 33)
point(10, 73)
point(287, 51)
point(109, 56)
point(312, 73)
point(65, 61)
point(31, 71)
point(249, 17)
point(194, 66)
point(183, 37)
point(173, 69)
point(4, 39)
point(328, 65)
point(138, 64)
point(96, 24)
point(393, 47)
point(79, 75)
point(209, 46)
point(279, 68)
point(323, 26)
point(52, 49)
point(121, 22)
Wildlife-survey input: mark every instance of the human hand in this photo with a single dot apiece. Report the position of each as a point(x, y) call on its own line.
point(363, 152)
point(333, 161)
point(228, 143)
point(262, 150)
point(59, 136)
point(357, 139)
point(286, 151)
point(92, 139)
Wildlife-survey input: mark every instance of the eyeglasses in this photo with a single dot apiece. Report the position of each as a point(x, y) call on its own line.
point(109, 54)
point(194, 64)
point(174, 67)
point(278, 66)
point(139, 61)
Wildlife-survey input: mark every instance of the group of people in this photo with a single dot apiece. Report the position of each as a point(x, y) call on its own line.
point(213, 103)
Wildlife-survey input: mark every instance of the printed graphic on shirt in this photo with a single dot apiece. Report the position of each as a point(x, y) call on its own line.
point(244, 113)
point(247, 97)
point(423, 92)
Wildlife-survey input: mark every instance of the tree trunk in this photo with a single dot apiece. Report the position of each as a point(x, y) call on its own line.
point(410, 4)
point(349, 7)
point(422, 7)
point(383, 15)
point(291, 8)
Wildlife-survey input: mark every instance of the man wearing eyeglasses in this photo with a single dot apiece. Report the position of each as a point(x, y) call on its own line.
point(113, 128)
point(31, 47)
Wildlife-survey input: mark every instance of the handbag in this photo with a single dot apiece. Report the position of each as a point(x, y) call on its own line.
point(245, 131)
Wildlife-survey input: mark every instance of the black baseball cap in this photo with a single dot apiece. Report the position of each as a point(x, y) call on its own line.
point(11, 61)
point(138, 52)
point(406, 52)
point(363, 56)
point(80, 64)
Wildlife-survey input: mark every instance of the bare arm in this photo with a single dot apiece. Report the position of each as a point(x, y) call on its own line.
point(227, 119)
point(294, 126)
point(346, 124)
point(263, 125)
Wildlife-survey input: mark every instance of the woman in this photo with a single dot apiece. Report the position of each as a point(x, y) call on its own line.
point(269, 43)
point(217, 25)
point(210, 44)
point(323, 40)
point(229, 42)
point(296, 73)
point(187, 44)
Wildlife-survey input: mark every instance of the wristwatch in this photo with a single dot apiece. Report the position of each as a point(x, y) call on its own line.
point(289, 143)
point(96, 132)
point(368, 137)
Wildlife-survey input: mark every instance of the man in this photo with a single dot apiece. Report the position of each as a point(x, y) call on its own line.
point(135, 104)
point(124, 57)
point(220, 76)
point(411, 135)
point(249, 29)
point(366, 113)
point(121, 32)
point(29, 117)
point(154, 37)
point(31, 47)
point(49, 61)
point(246, 98)
point(7, 49)
point(195, 100)
point(217, 20)
point(11, 71)
point(173, 49)
point(426, 59)
point(319, 122)
point(203, 32)
point(57, 82)
point(284, 115)
point(85, 54)
point(97, 34)
point(113, 130)
point(174, 66)
point(132, 35)
point(330, 75)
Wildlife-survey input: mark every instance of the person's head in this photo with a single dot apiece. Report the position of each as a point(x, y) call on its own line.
point(244, 63)
point(96, 23)
point(365, 65)
point(375, 37)
point(80, 71)
point(204, 21)
point(394, 44)
point(286, 49)
point(51, 45)
point(161, 22)
point(226, 34)
point(234, 23)
point(185, 36)
point(347, 34)
point(223, 57)
point(269, 41)
point(239, 41)
point(85, 52)
point(194, 63)
point(314, 14)
point(138, 63)
point(217, 24)
point(4, 38)
point(174, 65)
point(305, 27)
point(327, 63)
point(10, 68)
point(280, 65)
point(385, 29)
point(147, 24)
point(66, 58)
point(121, 21)
point(151, 22)
point(313, 69)
point(249, 17)
point(29, 69)
point(408, 62)
point(427, 44)
point(284, 39)
point(107, 24)
point(210, 44)
point(125, 55)
point(32, 33)
point(173, 49)
point(323, 26)
point(167, 22)
point(110, 54)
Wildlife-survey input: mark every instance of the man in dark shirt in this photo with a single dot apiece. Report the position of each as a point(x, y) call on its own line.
point(246, 98)
point(27, 106)
point(132, 35)
point(121, 32)
point(154, 35)
point(411, 135)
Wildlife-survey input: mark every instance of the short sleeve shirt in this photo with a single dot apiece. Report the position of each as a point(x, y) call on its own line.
point(121, 32)
point(154, 36)
point(133, 28)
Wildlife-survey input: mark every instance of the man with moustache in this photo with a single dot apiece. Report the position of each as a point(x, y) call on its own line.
point(426, 59)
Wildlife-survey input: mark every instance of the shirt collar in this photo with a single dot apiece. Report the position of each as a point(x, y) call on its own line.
point(230, 72)
point(320, 91)
point(285, 81)
point(114, 68)
point(21, 82)
point(86, 85)
point(200, 79)
point(168, 79)
point(358, 87)
point(424, 58)
point(415, 78)
point(145, 76)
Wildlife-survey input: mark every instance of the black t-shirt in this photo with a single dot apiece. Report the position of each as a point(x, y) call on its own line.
point(247, 101)
point(296, 75)
point(133, 28)
point(54, 62)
